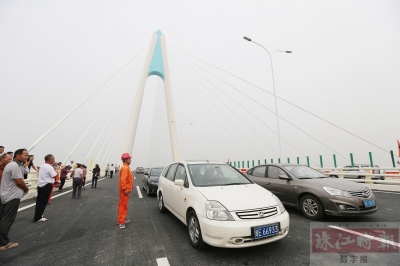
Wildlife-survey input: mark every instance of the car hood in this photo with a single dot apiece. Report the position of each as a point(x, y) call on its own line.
point(239, 197)
point(154, 178)
point(335, 183)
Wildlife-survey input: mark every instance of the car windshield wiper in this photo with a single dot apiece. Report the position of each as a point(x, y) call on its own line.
point(229, 184)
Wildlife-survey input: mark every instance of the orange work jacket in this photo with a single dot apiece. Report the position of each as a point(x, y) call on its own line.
point(125, 178)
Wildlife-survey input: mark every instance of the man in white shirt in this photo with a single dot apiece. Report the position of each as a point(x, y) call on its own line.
point(46, 178)
point(77, 181)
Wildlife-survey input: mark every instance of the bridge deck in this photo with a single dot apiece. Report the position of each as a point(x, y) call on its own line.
point(84, 232)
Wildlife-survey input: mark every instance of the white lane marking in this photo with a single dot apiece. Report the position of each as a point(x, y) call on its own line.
point(134, 177)
point(55, 196)
point(139, 192)
point(366, 236)
point(162, 261)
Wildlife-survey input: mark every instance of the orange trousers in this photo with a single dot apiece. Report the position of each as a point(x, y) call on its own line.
point(122, 207)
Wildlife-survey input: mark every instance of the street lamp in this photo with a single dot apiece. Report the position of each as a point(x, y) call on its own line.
point(273, 83)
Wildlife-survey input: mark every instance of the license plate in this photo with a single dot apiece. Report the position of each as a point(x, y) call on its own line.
point(266, 231)
point(369, 203)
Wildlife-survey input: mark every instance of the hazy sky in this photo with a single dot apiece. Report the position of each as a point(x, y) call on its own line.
point(344, 67)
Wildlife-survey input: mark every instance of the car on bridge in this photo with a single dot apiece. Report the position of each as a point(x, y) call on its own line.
point(150, 180)
point(359, 169)
point(314, 193)
point(139, 170)
point(220, 206)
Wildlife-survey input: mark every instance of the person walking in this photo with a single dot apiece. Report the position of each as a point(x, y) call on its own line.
point(77, 181)
point(125, 189)
point(46, 178)
point(96, 174)
point(12, 189)
point(111, 171)
point(63, 176)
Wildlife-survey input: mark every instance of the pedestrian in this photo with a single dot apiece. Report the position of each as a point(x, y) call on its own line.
point(96, 174)
point(69, 165)
point(56, 181)
point(4, 160)
point(116, 168)
point(1, 150)
point(77, 181)
point(63, 176)
point(107, 169)
point(125, 189)
point(10, 153)
point(29, 164)
point(112, 171)
point(12, 189)
point(46, 178)
point(84, 175)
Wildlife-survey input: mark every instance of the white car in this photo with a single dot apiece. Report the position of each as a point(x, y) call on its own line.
point(220, 206)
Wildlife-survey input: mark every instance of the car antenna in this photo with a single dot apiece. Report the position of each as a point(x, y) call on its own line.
point(202, 157)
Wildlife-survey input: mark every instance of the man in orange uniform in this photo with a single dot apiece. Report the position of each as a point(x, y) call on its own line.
point(125, 189)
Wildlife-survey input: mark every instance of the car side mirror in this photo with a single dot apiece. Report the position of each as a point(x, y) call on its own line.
point(179, 182)
point(285, 177)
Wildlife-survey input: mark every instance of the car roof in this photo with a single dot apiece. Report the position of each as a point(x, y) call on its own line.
point(201, 162)
point(280, 164)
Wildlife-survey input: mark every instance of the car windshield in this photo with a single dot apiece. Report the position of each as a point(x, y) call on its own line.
point(304, 172)
point(209, 175)
point(156, 171)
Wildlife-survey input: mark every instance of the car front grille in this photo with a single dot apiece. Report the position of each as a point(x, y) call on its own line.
point(257, 213)
point(361, 193)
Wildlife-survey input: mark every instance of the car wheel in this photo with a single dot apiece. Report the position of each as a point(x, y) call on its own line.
point(148, 191)
point(311, 207)
point(161, 206)
point(194, 231)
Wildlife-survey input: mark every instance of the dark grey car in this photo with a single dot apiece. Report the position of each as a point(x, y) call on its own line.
point(150, 180)
point(312, 192)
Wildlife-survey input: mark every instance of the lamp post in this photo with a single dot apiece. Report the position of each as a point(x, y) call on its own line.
point(273, 83)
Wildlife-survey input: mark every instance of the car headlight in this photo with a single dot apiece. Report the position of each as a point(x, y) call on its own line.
point(216, 211)
point(336, 192)
point(280, 205)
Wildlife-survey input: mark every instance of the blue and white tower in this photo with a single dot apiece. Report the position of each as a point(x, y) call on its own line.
point(156, 63)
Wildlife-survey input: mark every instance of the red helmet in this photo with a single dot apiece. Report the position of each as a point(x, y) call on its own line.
point(125, 156)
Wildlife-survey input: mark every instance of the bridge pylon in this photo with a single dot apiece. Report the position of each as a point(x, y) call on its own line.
point(156, 63)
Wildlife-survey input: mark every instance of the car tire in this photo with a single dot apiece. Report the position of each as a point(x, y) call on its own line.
point(194, 231)
point(148, 191)
point(161, 206)
point(311, 207)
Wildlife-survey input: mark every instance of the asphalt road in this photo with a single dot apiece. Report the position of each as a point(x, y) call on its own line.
point(84, 232)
